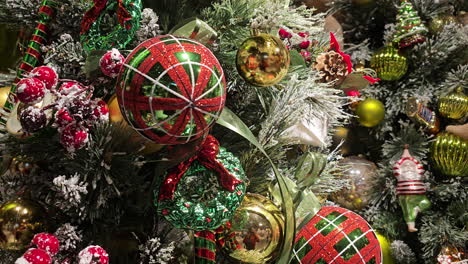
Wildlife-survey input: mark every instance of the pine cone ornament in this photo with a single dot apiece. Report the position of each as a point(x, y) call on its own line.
point(332, 67)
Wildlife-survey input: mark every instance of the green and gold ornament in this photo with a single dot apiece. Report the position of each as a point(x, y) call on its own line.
point(336, 235)
point(128, 16)
point(409, 28)
point(454, 105)
point(33, 53)
point(201, 194)
point(449, 155)
point(411, 190)
point(389, 63)
point(171, 89)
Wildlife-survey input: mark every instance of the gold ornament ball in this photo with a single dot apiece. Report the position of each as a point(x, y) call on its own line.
point(4, 92)
point(258, 225)
point(262, 60)
point(451, 254)
point(450, 154)
point(361, 173)
point(437, 24)
point(116, 116)
point(389, 63)
point(386, 251)
point(20, 220)
point(454, 105)
point(370, 112)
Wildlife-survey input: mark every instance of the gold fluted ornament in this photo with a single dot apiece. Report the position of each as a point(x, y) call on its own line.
point(389, 63)
point(454, 105)
point(450, 154)
point(262, 60)
point(20, 220)
point(258, 226)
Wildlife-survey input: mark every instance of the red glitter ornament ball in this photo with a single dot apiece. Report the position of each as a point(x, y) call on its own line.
point(93, 255)
point(34, 256)
point(47, 242)
point(111, 63)
point(74, 138)
point(33, 119)
point(71, 88)
point(171, 90)
point(47, 75)
point(336, 235)
point(30, 90)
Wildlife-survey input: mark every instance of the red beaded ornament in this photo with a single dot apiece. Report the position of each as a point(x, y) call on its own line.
point(336, 235)
point(34, 256)
point(47, 75)
point(171, 89)
point(47, 242)
point(30, 90)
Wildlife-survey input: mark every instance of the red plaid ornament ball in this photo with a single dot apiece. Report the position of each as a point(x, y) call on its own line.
point(336, 235)
point(171, 89)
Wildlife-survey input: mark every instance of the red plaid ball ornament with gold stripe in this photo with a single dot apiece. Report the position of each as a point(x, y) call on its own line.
point(171, 89)
point(336, 235)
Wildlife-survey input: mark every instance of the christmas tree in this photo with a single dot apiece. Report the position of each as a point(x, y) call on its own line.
point(233, 131)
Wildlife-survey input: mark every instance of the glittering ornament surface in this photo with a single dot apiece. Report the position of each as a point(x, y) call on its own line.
point(370, 112)
point(451, 255)
point(336, 235)
point(19, 220)
point(389, 64)
point(94, 37)
point(200, 202)
point(258, 226)
point(409, 28)
point(171, 89)
point(361, 173)
point(454, 105)
point(449, 155)
point(262, 60)
point(35, 256)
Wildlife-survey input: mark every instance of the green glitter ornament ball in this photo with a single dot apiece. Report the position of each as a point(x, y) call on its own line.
point(200, 202)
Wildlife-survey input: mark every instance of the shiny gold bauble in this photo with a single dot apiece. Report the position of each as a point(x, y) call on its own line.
point(387, 257)
point(20, 220)
point(370, 112)
point(258, 225)
point(4, 92)
point(451, 254)
point(361, 173)
point(262, 60)
point(437, 24)
point(341, 138)
point(449, 154)
point(21, 164)
point(454, 105)
point(116, 116)
point(389, 63)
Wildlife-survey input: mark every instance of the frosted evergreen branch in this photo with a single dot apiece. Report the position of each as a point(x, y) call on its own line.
point(402, 253)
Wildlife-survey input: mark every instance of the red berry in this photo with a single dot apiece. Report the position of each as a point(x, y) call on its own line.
point(101, 112)
point(111, 63)
point(47, 242)
point(284, 34)
point(33, 119)
point(304, 44)
point(62, 118)
point(93, 255)
point(47, 75)
point(34, 256)
point(353, 93)
point(74, 138)
point(30, 90)
point(303, 34)
point(68, 88)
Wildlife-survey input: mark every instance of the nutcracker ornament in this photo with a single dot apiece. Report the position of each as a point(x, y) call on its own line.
point(410, 188)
